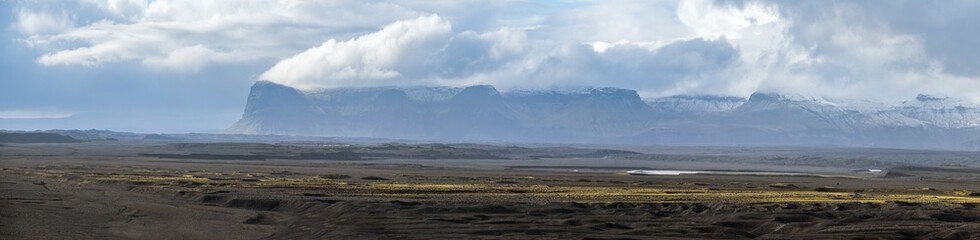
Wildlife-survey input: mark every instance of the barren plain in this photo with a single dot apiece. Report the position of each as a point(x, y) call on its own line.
point(152, 190)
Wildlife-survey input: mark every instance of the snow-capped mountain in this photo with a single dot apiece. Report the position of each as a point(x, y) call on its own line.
point(943, 112)
point(607, 115)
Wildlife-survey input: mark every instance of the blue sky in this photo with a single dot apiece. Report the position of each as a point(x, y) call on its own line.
point(186, 66)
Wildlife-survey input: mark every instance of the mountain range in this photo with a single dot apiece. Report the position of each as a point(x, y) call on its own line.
point(608, 115)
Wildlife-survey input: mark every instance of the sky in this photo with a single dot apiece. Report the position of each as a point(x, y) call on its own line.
point(174, 66)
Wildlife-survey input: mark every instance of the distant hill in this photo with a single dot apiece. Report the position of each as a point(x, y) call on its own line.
point(607, 115)
point(34, 137)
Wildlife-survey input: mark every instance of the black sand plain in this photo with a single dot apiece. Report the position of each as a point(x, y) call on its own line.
point(170, 190)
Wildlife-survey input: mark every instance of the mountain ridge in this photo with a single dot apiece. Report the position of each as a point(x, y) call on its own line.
point(607, 115)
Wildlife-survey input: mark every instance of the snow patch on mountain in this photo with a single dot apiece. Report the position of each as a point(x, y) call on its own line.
point(696, 103)
point(944, 112)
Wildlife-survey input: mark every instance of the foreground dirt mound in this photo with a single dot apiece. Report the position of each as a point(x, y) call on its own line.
point(428, 219)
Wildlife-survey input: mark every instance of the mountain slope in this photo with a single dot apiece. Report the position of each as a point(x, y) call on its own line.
point(274, 109)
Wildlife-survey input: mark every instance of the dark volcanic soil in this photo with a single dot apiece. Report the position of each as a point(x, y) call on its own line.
point(71, 194)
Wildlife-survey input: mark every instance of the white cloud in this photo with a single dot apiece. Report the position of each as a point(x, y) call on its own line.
point(191, 58)
point(34, 114)
point(840, 49)
point(423, 51)
point(183, 35)
point(379, 57)
point(127, 9)
point(618, 20)
point(837, 49)
point(38, 23)
point(708, 19)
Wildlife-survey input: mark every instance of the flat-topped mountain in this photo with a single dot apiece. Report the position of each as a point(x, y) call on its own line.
point(606, 115)
point(471, 113)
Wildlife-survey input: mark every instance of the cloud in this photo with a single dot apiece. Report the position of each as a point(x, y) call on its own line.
point(652, 69)
point(617, 20)
point(470, 53)
point(35, 23)
point(708, 19)
point(185, 59)
point(186, 35)
point(33, 114)
point(399, 50)
point(127, 9)
point(942, 30)
point(834, 48)
point(857, 49)
point(424, 51)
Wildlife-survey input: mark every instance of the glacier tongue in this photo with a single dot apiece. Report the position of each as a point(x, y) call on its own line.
point(608, 115)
